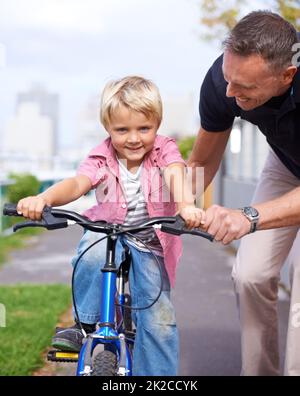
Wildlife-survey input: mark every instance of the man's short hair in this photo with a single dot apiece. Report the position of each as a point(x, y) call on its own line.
point(266, 34)
point(133, 92)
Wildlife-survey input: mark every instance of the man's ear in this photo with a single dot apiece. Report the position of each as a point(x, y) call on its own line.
point(288, 74)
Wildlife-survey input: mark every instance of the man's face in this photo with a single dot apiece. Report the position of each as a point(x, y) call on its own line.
point(251, 81)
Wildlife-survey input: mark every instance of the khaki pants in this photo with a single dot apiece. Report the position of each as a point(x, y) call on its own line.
point(256, 275)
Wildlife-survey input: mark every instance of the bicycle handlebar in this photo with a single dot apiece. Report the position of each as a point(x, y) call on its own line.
point(53, 219)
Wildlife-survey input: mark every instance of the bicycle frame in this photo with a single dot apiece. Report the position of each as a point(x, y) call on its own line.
point(107, 333)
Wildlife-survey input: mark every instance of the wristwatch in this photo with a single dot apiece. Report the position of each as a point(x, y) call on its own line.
point(252, 215)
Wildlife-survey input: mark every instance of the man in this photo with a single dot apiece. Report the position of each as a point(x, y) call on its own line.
point(255, 79)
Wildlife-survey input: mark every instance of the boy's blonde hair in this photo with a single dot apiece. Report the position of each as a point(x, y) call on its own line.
point(134, 92)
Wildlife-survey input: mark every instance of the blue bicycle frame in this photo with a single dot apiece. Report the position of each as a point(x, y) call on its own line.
point(106, 332)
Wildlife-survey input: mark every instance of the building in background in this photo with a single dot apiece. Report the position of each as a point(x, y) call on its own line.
point(90, 131)
point(28, 139)
point(48, 104)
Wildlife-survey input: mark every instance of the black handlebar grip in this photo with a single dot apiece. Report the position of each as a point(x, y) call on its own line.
point(203, 234)
point(10, 209)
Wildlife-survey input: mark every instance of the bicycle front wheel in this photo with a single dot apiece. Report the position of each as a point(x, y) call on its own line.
point(105, 364)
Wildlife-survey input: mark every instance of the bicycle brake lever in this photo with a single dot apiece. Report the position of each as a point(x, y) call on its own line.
point(51, 222)
point(25, 224)
point(175, 228)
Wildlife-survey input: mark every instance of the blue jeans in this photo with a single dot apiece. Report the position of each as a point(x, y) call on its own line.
point(156, 344)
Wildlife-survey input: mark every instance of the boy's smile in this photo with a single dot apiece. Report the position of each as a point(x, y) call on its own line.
point(132, 135)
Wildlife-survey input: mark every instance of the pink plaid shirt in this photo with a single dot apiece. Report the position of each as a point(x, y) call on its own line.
point(101, 167)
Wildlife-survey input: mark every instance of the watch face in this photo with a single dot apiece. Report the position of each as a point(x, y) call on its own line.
point(249, 211)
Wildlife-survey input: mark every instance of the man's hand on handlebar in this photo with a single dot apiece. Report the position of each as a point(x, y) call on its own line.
point(226, 225)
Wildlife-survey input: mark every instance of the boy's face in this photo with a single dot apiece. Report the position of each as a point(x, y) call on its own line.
point(132, 135)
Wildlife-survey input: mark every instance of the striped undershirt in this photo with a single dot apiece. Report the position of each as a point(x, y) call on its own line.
point(137, 210)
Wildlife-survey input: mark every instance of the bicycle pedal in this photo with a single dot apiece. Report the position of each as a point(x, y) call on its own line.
point(61, 356)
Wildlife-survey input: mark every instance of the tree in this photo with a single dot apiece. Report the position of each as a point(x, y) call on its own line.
point(290, 10)
point(25, 185)
point(220, 16)
point(185, 146)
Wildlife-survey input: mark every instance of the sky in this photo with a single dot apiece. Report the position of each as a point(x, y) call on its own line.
point(73, 47)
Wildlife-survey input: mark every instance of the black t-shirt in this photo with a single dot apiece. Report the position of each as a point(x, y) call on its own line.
point(278, 119)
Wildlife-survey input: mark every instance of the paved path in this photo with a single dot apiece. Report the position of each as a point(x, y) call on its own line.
point(46, 259)
point(206, 311)
point(203, 297)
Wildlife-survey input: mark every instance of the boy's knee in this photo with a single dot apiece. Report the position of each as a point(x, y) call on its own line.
point(161, 315)
point(89, 260)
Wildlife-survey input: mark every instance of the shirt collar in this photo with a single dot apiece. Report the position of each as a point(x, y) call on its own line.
point(290, 103)
point(107, 152)
point(295, 92)
point(104, 149)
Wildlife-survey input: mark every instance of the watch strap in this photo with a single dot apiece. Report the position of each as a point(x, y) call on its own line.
point(253, 227)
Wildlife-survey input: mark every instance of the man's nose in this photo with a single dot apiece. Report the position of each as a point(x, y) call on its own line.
point(231, 91)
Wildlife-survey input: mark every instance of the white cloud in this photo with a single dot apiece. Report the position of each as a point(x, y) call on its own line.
point(95, 16)
point(61, 36)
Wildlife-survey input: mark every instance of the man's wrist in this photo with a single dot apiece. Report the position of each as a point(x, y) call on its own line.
point(252, 216)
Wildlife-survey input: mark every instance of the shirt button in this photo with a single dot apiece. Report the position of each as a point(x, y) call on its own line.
point(123, 205)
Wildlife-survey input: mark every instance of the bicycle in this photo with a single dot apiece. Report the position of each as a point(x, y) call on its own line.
point(114, 330)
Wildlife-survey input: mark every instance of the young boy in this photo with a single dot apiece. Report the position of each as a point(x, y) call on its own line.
point(128, 171)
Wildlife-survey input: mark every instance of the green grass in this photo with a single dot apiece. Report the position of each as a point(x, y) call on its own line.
point(32, 311)
point(15, 241)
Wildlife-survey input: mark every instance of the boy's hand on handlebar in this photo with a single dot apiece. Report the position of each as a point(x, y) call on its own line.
point(193, 217)
point(32, 207)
